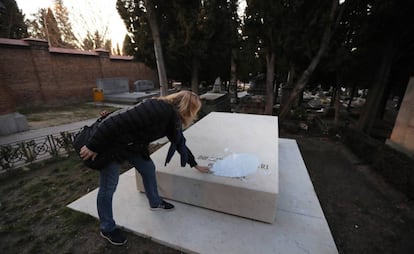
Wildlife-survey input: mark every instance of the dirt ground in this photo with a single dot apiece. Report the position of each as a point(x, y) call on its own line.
point(365, 213)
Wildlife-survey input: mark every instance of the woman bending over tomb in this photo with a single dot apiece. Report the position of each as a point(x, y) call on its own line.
point(132, 130)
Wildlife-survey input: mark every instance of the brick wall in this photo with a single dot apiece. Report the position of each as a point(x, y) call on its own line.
point(32, 73)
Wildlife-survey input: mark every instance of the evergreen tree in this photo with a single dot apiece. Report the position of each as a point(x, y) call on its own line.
point(36, 26)
point(52, 30)
point(12, 23)
point(320, 20)
point(138, 42)
point(65, 27)
point(263, 29)
point(196, 38)
point(221, 35)
point(88, 42)
point(386, 39)
point(46, 26)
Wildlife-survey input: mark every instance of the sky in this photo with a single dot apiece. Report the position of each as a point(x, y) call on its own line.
point(85, 15)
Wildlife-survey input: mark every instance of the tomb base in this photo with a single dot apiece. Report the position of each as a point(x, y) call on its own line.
point(300, 225)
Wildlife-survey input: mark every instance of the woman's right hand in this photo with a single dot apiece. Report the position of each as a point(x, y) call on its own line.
point(202, 169)
point(104, 113)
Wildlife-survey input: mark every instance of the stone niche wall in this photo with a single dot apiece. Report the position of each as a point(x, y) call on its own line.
point(402, 137)
point(33, 73)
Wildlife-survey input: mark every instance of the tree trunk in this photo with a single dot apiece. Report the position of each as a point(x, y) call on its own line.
point(270, 73)
point(291, 75)
point(332, 102)
point(303, 80)
point(276, 92)
point(162, 74)
point(384, 101)
point(337, 103)
point(353, 90)
point(300, 85)
point(376, 92)
point(233, 79)
point(194, 75)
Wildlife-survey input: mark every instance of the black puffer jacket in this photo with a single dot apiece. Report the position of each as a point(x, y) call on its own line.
point(137, 127)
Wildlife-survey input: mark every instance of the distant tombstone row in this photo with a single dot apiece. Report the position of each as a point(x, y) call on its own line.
point(118, 90)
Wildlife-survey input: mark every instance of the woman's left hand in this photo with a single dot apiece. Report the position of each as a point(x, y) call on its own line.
point(86, 153)
point(203, 169)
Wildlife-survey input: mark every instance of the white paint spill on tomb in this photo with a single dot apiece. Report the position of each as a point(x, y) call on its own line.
point(236, 165)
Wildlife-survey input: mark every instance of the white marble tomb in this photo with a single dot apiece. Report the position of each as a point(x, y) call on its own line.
point(221, 140)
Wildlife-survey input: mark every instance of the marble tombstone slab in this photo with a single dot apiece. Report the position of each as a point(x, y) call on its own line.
point(242, 151)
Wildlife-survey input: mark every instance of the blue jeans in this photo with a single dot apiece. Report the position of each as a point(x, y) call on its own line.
point(108, 181)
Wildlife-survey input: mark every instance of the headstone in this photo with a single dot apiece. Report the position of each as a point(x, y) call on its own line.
point(113, 85)
point(215, 102)
point(217, 85)
point(258, 85)
point(143, 85)
point(12, 123)
point(242, 151)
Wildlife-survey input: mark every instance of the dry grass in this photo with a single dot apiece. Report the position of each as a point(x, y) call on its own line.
point(35, 219)
point(40, 117)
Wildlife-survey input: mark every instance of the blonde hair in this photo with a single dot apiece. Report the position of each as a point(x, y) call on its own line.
point(187, 103)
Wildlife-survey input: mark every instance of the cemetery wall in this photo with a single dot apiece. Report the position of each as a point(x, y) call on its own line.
point(402, 137)
point(32, 73)
point(396, 167)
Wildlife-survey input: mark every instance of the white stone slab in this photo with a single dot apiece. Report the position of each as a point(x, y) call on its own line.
point(223, 136)
point(211, 96)
point(132, 97)
point(300, 225)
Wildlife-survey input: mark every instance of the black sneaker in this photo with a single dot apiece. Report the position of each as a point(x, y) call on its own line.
point(164, 206)
point(115, 237)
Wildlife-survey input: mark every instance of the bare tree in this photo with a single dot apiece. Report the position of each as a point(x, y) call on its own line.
point(93, 29)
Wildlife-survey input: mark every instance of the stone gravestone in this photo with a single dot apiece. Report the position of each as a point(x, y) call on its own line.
point(143, 85)
point(216, 99)
point(242, 151)
point(217, 85)
point(12, 123)
point(215, 102)
point(113, 85)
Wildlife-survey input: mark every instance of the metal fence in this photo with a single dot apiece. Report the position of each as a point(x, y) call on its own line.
point(25, 152)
